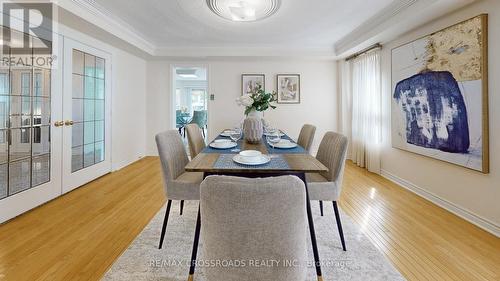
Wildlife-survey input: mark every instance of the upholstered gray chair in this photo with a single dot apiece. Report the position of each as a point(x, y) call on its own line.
point(245, 219)
point(327, 186)
point(306, 136)
point(195, 139)
point(179, 184)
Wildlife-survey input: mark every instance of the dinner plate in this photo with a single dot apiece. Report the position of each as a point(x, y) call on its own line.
point(241, 160)
point(285, 144)
point(223, 145)
point(226, 133)
point(267, 134)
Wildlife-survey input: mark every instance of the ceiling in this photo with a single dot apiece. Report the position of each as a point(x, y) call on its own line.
point(301, 28)
point(315, 24)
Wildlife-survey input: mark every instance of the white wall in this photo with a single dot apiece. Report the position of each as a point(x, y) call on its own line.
point(128, 109)
point(318, 95)
point(468, 193)
point(158, 102)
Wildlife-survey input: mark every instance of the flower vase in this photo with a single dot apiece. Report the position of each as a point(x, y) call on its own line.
point(252, 129)
point(256, 114)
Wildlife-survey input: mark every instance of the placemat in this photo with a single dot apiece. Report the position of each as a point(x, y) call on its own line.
point(225, 161)
point(209, 149)
point(296, 150)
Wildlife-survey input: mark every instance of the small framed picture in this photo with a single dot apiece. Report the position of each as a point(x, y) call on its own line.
point(288, 88)
point(250, 83)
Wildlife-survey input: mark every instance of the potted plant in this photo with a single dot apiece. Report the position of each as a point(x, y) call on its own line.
point(257, 102)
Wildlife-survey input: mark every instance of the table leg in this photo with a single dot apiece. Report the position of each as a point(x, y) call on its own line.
point(317, 264)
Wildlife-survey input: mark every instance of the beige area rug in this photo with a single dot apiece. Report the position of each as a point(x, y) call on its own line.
point(144, 261)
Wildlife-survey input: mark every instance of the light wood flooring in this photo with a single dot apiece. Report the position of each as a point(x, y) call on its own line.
point(79, 235)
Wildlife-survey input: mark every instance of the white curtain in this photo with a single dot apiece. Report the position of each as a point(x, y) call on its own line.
point(361, 98)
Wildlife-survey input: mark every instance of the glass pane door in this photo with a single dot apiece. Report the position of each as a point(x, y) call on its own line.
point(30, 145)
point(86, 110)
point(25, 97)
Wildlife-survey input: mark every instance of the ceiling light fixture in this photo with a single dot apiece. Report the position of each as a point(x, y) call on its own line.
point(188, 75)
point(186, 72)
point(244, 10)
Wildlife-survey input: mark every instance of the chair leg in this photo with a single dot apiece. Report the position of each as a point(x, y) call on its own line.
point(195, 246)
point(321, 207)
point(182, 206)
point(165, 221)
point(339, 224)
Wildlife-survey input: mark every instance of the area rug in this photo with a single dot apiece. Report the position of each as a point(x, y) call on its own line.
point(144, 261)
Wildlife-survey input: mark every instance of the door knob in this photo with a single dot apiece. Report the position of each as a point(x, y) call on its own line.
point(59, 123)
point(68, 122)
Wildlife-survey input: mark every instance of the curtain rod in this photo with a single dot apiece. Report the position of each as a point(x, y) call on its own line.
point(372, 47)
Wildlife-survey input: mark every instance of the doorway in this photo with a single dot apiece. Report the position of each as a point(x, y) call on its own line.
point(190, 87)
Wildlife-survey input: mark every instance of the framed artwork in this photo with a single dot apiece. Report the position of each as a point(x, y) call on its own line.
point(439, 104)
point(288, 88)
point(250, 83)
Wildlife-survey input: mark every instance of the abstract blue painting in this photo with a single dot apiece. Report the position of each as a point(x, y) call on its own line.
point(439, 95)
point(435, 110)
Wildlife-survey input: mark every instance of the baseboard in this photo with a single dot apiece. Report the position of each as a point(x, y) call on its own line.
point(451, 207)
point(118, 166)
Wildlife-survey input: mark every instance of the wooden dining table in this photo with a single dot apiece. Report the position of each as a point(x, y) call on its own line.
point(298, 163)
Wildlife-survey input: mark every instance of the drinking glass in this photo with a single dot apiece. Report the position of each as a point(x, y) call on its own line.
point(273, 137)
point(235, 136)
point(267, 127)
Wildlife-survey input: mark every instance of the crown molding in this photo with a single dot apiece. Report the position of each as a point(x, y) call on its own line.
point(94, 13)
point(246, 51)
point(399, 17)
point(375, 23)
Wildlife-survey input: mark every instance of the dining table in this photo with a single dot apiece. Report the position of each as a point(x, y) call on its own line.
point(291, 161)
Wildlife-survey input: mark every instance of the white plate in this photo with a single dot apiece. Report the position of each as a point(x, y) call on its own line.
point(223, 145)
point(285, 144)
point(241, 160)
point(267, 134)
point(226, 133)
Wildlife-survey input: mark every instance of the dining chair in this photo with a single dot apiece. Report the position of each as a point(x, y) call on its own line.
point(254, 219)
point(200, 118)
point(196, 141)
point(327, 186)
point(306, 136)
point(178, 184)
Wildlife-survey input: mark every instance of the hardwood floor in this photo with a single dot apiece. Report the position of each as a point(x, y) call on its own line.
point(423, 241)
point(79, 235)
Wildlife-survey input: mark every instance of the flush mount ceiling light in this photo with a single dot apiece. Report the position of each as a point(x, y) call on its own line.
point(186, 73)
point(244, 10)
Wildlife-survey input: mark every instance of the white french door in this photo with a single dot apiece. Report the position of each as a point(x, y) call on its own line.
point(86, 113)
point(30, 143)
point(55, 126)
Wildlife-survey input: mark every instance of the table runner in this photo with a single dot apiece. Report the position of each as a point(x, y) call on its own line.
point(225, 161)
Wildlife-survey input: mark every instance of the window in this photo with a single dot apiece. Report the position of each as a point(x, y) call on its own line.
point(198, 99)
